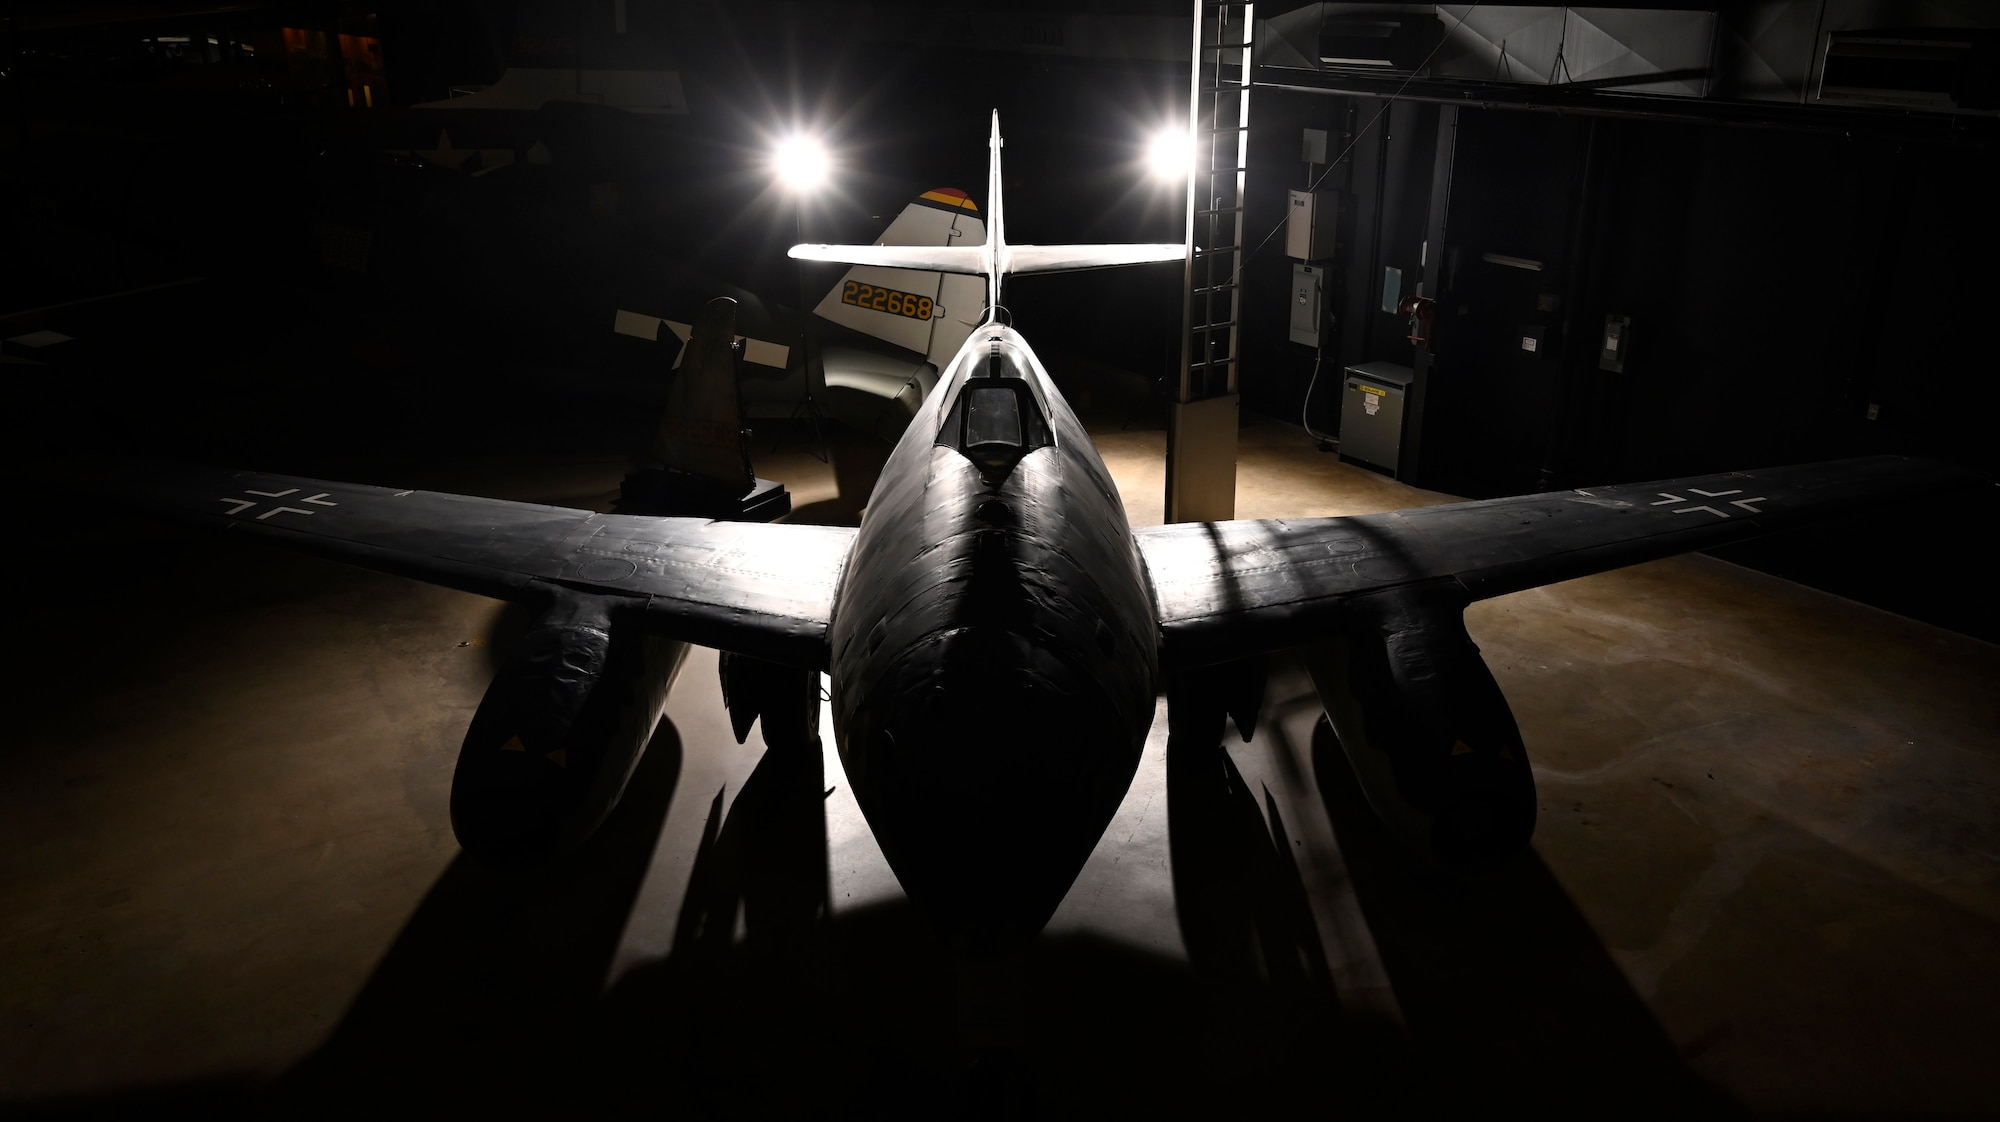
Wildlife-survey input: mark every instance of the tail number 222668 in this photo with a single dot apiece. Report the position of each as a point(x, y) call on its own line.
point(885, 300)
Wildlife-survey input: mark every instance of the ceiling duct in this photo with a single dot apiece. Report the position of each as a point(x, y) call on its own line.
point(1646, 50)
point(1384, 43)
point(1853, 66)
point(1938, 69)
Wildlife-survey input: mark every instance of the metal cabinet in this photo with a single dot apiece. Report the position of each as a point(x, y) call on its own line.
point(1371, 413)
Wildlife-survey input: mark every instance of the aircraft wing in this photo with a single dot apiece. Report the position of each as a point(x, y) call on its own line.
point(1228, 589)
point(755, 588)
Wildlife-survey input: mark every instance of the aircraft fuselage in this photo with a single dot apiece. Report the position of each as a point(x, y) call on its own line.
point(994, 650)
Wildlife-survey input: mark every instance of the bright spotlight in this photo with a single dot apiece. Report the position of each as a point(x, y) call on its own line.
point(1170, 155)
point(801, 163)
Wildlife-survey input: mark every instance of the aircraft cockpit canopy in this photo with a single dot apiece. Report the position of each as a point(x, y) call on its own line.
point(997, 417)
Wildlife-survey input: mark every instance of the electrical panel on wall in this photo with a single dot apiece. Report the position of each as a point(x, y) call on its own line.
point(1611, 348)
point(1312, 146)
point(1310, 224)
point(1308, 297)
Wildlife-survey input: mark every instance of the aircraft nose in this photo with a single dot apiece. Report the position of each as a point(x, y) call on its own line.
point(987, 796)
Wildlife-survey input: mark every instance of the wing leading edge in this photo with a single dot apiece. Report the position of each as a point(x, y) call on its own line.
point(1228, 589)
point(755, 588)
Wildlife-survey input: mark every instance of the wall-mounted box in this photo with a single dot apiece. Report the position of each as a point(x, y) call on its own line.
point(1310, 224)
point(1312, 146)
point(1611, 348)
point(1308, 298)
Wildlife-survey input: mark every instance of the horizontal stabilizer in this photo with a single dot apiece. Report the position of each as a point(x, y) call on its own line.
point(997, 258)
point(970, 259)
point(1062, 258)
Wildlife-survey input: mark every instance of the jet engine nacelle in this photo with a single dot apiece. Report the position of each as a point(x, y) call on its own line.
point(559, 731)
point(1424, 724)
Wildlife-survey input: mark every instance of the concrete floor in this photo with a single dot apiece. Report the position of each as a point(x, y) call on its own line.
point(1766, 879)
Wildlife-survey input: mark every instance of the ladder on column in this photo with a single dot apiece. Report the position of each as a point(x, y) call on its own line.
point(1219, 106)
point(1201, 435)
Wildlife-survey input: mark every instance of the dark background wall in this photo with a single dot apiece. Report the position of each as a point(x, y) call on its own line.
point(1778, 284)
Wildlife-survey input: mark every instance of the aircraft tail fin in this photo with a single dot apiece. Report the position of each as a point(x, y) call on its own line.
point(918, 293)
point(994, 259)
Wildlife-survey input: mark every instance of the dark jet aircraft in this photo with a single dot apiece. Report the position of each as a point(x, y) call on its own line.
point(995, 631)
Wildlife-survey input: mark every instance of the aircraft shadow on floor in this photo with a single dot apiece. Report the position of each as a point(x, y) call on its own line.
point(1502, 981)
point(770, 1002)
point(492, 997)
point(482, 993)
point(1239, 898)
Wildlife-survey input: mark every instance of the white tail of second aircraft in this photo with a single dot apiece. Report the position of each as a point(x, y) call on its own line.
point(993, 259)
point(928, 312)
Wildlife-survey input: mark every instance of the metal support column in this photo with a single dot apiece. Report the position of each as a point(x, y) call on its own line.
point(1201, 434)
